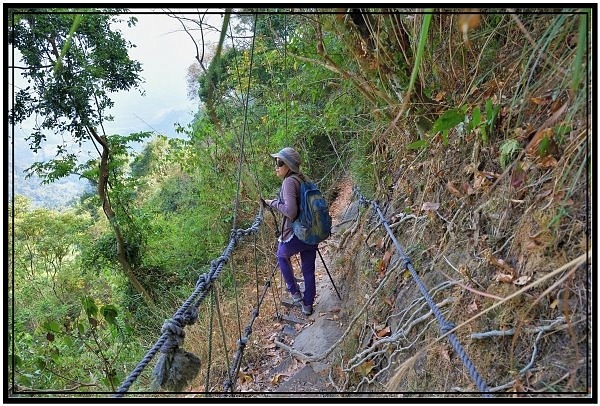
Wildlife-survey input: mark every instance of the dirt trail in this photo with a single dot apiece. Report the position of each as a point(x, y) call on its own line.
point(311, 335)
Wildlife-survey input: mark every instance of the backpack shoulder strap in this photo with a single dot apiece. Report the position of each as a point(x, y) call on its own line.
point(298, 177)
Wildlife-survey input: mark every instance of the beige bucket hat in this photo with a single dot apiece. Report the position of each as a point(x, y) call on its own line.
point(290, 157)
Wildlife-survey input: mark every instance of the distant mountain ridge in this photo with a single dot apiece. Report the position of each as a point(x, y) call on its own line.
point(57, 195)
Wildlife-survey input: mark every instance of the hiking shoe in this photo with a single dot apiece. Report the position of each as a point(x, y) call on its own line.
point(297, 297)
point(307, 310)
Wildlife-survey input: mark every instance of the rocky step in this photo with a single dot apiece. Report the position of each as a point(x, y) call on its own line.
point(291, 319)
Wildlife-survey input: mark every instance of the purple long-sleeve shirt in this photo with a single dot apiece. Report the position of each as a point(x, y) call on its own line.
point(287, 204)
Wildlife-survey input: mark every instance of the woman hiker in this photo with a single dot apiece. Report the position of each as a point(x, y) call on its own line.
point(287, 163)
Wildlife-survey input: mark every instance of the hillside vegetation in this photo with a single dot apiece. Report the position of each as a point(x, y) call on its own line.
point(466, 132)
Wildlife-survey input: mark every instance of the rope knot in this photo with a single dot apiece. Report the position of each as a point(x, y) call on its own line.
point(365, 202)
point(214, 264)
point(238, 234)
point(175, 332)
point(405, 262)
point(202, 280)
point(190, 316)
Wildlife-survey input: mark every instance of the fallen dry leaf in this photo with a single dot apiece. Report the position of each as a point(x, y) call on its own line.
point(385, 260)
point(445, 354)
point(277, 379)
point(532, 147)
point(365, 368)
point(541, 100)
point(384, 332)
point(500, 263)
point(518, 177)
point(543, 193)
point(534, 242)
point(522, 280)
point(452, 189)
point(472, 307)
point(547, 162)
point(429, 206)
point(246, 377)
point(483, 179)
point(502, 277)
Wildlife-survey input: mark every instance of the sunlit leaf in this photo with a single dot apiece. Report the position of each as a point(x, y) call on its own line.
point(419, 144)
point(277, 379)
point(365, 368)
point(89, 306)
point(508, 149)
point(475, 119)
point(450, 119)
point(109, 312)
point(52, 326)
point(246, 377)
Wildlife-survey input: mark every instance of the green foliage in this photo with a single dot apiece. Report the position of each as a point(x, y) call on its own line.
point(561, 131)
point(418, 145)
point(508, 150)
point(361, 165)
point(71, 90)
point(422, 41)
point(55, 343)
point(484, 125)
point(448, 120)
point(578, 71)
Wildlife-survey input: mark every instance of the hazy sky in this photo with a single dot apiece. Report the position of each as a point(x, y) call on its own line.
point(165, 53)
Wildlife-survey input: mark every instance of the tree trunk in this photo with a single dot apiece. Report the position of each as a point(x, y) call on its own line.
point(110, 215)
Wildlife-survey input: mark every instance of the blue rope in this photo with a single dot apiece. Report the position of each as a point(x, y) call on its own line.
point(237, 359)
point(172, 332)
point(445, 326)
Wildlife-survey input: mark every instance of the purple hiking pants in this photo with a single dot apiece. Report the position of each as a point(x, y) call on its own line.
point(308, 254)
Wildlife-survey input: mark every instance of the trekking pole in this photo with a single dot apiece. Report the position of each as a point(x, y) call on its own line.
point(328, 274)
